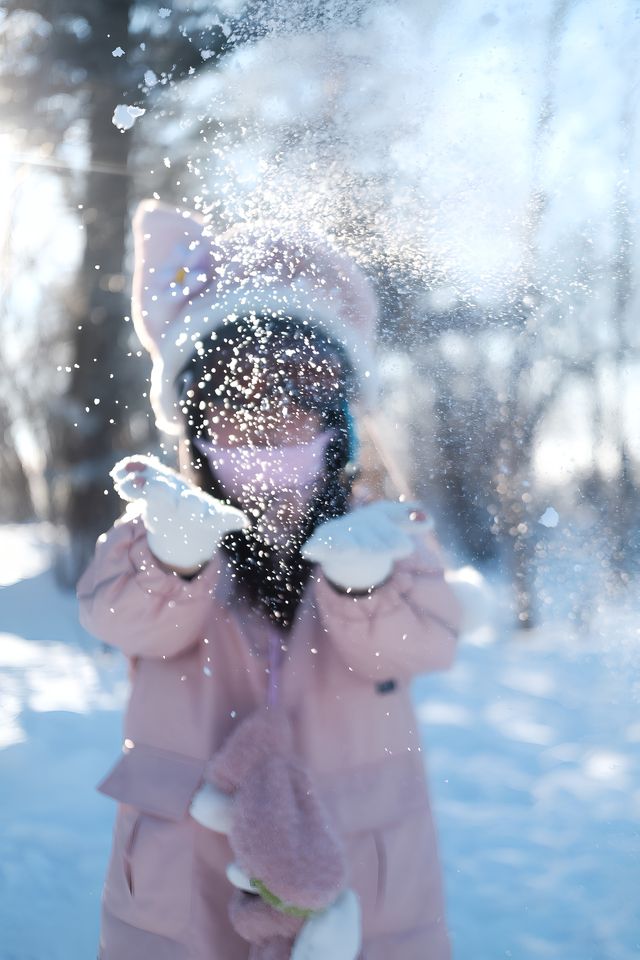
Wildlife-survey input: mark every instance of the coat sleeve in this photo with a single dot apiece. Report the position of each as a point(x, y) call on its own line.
point(406, 626)
point(128, 601)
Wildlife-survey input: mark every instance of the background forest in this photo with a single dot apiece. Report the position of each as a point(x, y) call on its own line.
point(478, 161)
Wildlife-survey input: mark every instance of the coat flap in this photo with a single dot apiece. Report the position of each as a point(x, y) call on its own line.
point(155, 781)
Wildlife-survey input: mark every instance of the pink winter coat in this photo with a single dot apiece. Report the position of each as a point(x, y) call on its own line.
point(200, 664)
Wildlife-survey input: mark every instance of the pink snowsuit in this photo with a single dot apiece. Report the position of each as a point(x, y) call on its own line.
point(200, 664)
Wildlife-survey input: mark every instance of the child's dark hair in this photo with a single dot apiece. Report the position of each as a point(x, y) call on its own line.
point(270, 579)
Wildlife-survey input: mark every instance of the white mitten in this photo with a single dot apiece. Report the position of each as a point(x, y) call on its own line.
point(184, 525)
point(334, 933)
point(357, 551)
point(212, 808)
point(473, 595)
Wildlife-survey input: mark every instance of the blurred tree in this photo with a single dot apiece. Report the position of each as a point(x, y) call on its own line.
point(308, 139)
point(458, 439)
point(520, 417)
point(623, 498)
point(16, 504)
point(66, 64)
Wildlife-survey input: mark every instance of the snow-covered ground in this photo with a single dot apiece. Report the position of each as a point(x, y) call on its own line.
point(532, 742)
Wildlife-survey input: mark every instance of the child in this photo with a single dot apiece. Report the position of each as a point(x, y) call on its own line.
point(271, 622)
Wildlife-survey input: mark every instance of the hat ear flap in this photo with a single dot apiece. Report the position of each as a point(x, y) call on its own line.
point(166, 244)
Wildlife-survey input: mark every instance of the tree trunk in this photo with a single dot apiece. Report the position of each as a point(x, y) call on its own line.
point(92, 421)
point(514, 524)
point(624, 495)
point(16, 504)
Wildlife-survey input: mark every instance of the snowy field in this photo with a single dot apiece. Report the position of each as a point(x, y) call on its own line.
point(533, 746)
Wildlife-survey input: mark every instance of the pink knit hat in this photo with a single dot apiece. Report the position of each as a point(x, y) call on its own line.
point(187, 284)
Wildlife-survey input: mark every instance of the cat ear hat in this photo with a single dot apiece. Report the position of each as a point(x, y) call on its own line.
point(187, 283)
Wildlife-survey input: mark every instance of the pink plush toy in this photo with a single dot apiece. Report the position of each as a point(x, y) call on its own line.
point(291, 898)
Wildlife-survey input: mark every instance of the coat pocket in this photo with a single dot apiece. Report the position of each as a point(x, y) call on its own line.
point(150, 875)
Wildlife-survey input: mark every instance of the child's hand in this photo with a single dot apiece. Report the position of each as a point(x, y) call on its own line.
point(358, 551)
point(184, 525)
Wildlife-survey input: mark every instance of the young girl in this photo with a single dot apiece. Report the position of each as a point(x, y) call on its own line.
point(272, 623)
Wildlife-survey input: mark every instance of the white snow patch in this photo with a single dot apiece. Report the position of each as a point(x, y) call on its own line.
point(607, 765)
point(633, 733)
point(55, 676)
point(507, 716)
point(443, 713)
point(565, 752)
point(24, 552)
point(534, 682)
point(11, 730)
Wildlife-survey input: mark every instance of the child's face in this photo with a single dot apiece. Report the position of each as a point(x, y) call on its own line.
point(263, 388)
point(270, 423)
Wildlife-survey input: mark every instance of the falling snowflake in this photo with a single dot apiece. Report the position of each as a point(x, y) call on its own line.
point(549, 518)
point(124, 116)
